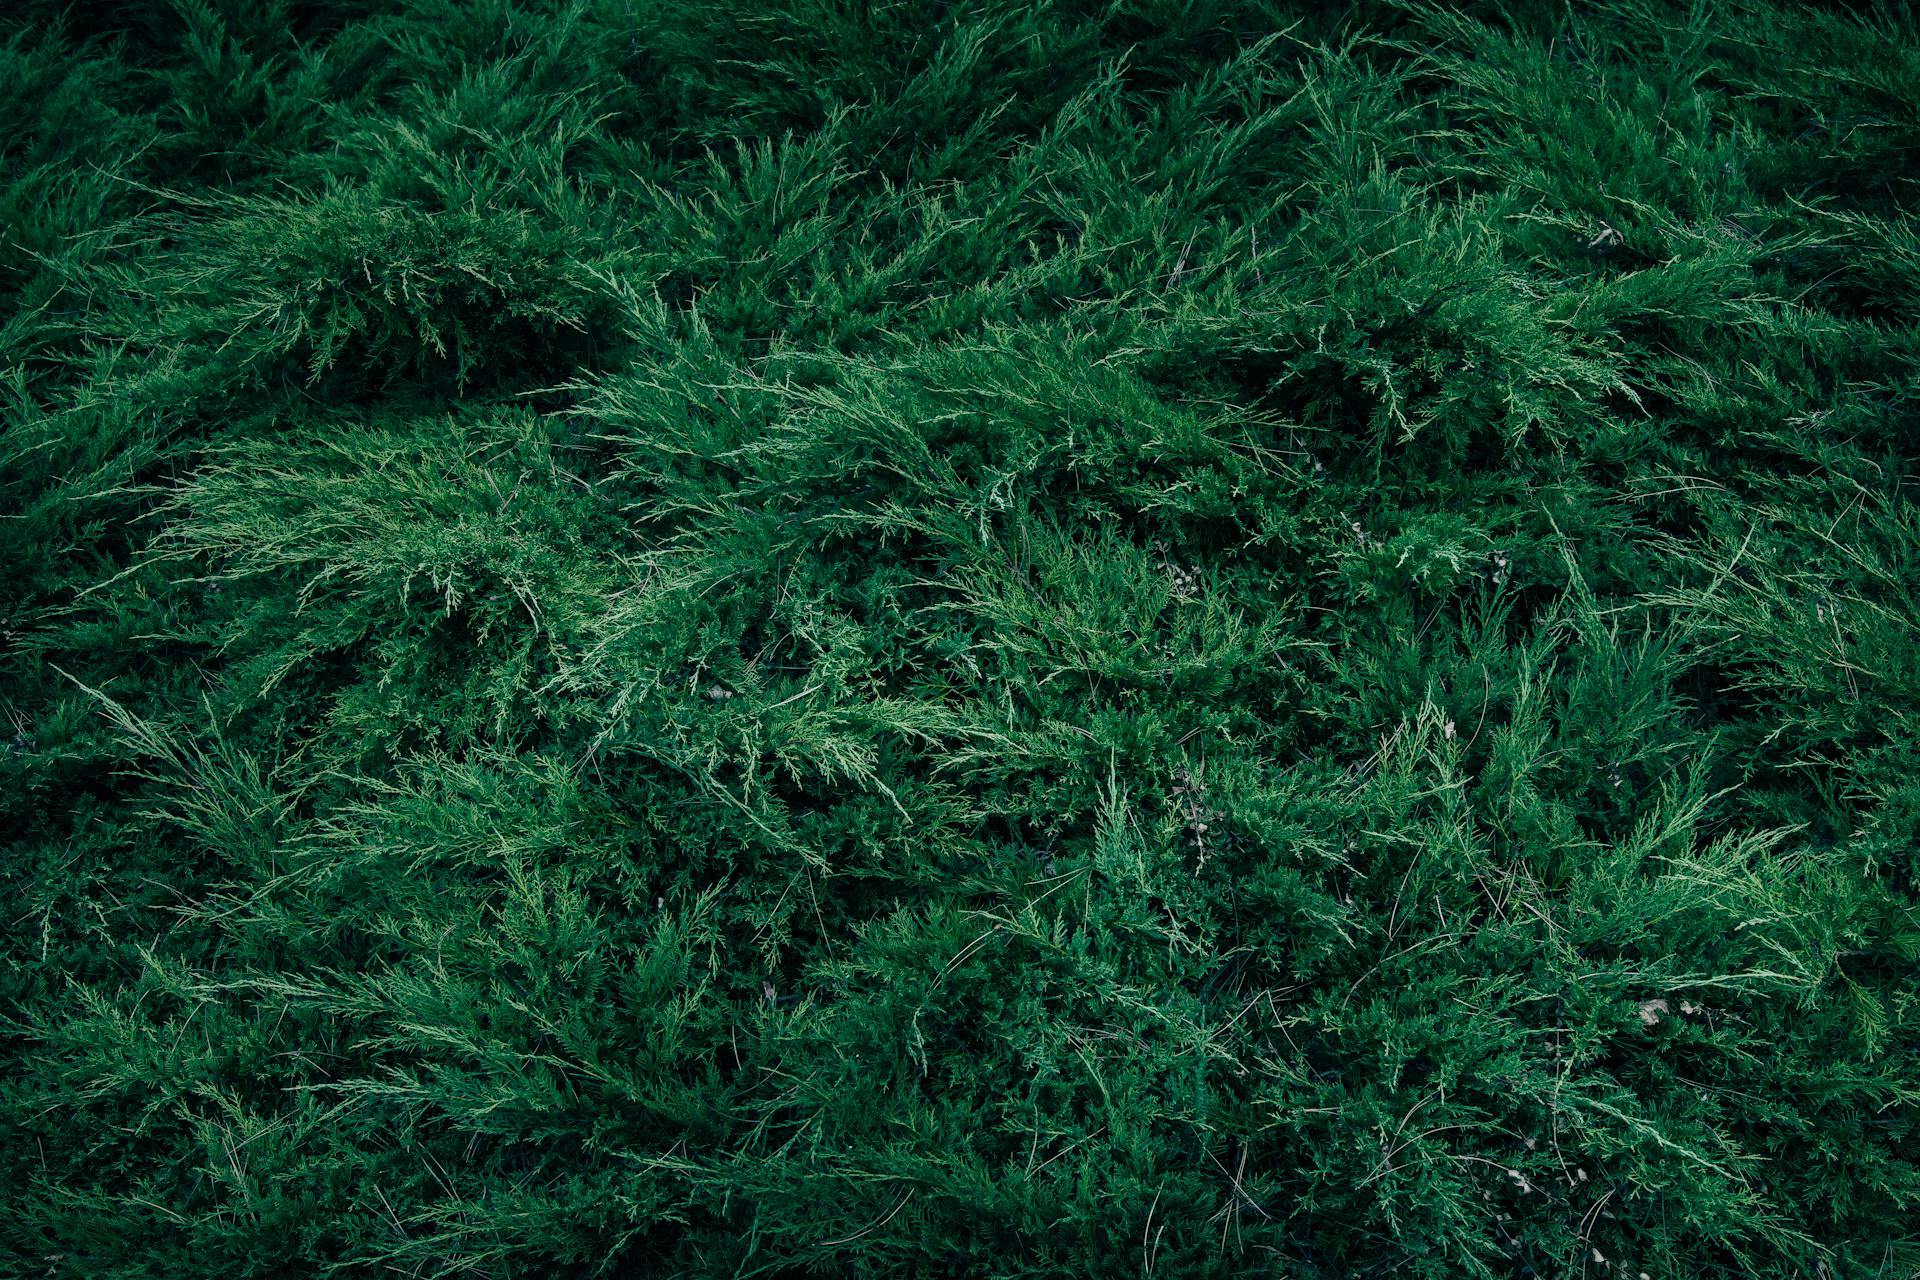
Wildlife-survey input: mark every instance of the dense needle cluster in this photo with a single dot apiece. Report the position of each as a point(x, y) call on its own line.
point(1020, 638)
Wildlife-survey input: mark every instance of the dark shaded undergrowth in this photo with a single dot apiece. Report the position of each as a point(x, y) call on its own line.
point(1001, 640)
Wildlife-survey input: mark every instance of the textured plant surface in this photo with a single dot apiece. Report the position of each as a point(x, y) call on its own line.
point(1003, 639)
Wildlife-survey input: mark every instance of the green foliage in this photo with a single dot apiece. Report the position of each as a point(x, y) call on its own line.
point(1009, 640)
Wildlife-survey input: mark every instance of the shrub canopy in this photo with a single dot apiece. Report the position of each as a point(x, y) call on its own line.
point(1001, 639)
